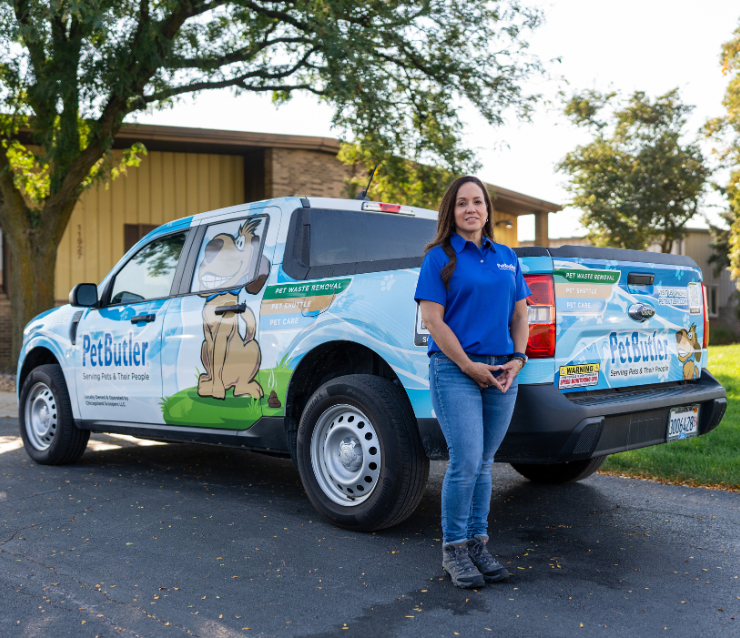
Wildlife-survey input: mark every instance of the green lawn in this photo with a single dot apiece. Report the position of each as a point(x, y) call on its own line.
point(710, 460)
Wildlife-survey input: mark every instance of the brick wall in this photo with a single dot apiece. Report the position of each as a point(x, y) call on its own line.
point(311, 173)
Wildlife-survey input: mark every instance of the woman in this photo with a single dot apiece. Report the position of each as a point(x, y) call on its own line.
point(473, 302)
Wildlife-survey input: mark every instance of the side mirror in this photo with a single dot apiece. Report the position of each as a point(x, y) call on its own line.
point(84, 296)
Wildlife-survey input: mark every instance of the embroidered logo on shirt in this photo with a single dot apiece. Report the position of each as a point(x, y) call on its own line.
point(510, 267)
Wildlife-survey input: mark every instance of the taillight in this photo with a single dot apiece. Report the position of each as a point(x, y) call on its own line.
point(705, 341)
point(541, 315)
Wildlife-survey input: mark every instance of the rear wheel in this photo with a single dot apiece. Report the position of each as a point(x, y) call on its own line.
point(359, 453)
point(48, 430)
point(558, 473)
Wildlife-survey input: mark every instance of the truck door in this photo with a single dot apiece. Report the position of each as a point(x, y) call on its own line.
point(211, 352)
point(118, 345)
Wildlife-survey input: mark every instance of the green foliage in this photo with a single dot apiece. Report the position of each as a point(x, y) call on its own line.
point(636, 182)
point(398, 180)
point(720, 244)
point(721, 335)
point(725, 132)
point(709, 460)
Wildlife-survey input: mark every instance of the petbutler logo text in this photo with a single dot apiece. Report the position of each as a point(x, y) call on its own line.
point(636, 354)
point(637, 347)
point(114, 352)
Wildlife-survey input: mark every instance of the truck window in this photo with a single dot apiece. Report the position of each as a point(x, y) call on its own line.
point(327, 243)
point(229, 254)
point(149, 273)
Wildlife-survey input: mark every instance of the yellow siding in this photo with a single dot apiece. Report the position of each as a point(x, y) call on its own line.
point(166, 186)
point(503, 235)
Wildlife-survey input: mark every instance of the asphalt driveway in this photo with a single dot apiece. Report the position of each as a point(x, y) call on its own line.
point(145, 539)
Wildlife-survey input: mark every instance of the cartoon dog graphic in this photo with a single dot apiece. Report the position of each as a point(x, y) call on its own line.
point(230, 361)
point(687, 345)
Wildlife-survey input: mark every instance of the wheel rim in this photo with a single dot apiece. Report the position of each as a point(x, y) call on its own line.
point(41, 416)
point(346, 455)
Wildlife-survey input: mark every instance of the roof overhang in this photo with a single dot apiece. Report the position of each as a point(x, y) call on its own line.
point(202, 140)
point(513, 203)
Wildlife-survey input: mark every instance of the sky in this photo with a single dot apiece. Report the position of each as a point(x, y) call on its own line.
point(648, 45)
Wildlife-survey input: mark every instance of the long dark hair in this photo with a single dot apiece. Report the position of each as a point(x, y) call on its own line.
point(446, 223)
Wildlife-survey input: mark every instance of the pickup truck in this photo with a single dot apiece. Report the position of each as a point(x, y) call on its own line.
point(289, 327)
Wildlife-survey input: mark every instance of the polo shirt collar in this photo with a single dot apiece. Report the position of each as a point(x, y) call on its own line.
point(458, 243)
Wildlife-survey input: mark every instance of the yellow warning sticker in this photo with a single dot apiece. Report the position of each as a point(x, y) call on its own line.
point(578, 376)
point(579, 369)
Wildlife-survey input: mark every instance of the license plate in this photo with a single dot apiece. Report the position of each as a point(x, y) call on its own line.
point(683, 423)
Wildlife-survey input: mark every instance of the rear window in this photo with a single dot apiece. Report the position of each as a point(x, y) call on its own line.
point(328, 243)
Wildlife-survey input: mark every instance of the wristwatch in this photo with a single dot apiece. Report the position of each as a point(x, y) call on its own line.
point(520, 355)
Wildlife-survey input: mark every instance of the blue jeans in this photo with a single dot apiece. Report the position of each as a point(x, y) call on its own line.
point(474, 421)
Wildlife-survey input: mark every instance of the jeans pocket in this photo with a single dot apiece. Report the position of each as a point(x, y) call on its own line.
point(442, 362)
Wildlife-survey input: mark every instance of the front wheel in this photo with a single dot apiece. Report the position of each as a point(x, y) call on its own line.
point(48, 430)
point(558, 473)
point(359, 453)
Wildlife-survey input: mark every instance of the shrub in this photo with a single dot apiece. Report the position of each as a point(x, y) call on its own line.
point(721, 336)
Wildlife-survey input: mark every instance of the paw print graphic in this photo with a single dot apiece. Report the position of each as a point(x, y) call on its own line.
point(387, 282)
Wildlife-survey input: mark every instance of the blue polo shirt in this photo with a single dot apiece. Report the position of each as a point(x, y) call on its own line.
point(484, 289)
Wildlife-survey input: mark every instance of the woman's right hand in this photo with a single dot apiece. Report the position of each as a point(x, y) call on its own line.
point(482, 374)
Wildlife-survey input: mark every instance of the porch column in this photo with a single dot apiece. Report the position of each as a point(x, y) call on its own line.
point(541, 233)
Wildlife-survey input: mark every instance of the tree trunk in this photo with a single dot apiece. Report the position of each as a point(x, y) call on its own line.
point(32, 270)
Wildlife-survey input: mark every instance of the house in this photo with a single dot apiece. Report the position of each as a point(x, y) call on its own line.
point(192, 170)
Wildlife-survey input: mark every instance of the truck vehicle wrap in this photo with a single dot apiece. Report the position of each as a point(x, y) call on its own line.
point(289, 327)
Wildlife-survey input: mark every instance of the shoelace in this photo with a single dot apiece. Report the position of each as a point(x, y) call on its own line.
point(481, 553)
point(462, 560)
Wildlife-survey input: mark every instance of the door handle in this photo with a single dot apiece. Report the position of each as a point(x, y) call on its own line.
point(238, 309)
point(144, 318)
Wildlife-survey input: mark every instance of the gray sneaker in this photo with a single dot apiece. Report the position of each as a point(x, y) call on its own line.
point(482, 559)
point(459, 567)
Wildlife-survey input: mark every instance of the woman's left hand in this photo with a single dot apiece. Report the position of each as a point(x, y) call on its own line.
point(510, 369)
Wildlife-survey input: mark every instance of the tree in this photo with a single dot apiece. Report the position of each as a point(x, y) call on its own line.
point(636, 182)
point(720, 243)
point(725, 131)
point(397, 179)
point(395, 72)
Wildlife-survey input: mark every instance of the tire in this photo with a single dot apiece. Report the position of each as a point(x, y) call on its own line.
point(359, 453)
point(48, 429)
point(559, 473)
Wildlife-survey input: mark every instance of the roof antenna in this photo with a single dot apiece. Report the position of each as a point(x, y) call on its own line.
point(363, 195)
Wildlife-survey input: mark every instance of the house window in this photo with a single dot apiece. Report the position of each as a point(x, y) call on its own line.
point(134, 232)
point(713, 293)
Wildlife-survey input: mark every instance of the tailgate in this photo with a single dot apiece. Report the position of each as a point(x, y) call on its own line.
point(624, 320)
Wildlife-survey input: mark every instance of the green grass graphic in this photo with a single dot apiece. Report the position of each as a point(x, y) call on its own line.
point(232, 413)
